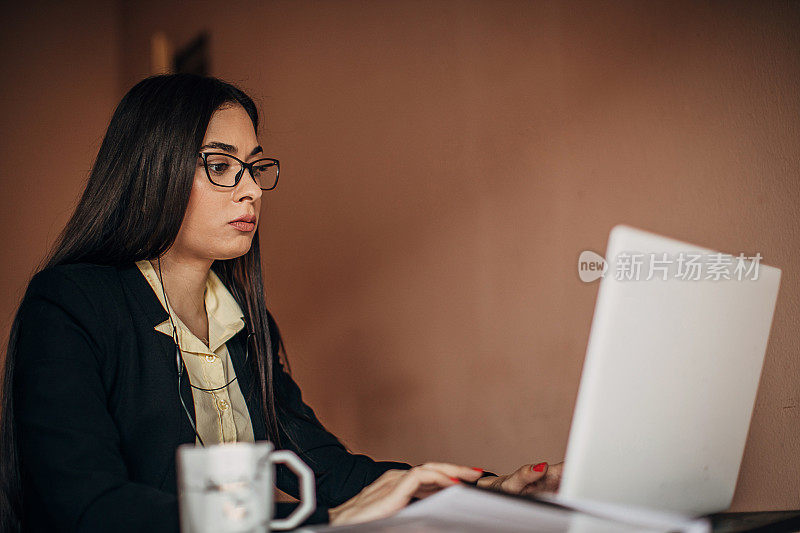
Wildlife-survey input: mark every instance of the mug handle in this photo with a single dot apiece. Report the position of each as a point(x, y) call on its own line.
point(307, 489)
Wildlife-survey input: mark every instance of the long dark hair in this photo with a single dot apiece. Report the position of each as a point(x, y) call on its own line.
point(132, 209)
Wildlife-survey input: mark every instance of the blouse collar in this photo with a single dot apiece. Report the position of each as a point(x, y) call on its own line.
point(225, 317)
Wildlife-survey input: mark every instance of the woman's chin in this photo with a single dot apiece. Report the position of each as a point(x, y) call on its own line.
point(234, 252)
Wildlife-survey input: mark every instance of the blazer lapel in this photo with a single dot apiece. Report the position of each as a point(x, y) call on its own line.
point(155, 314)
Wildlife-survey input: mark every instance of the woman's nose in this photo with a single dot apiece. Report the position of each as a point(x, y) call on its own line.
point(247, 186)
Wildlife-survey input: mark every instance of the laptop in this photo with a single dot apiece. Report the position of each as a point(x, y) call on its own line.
point(672, 367)
point(664, 403)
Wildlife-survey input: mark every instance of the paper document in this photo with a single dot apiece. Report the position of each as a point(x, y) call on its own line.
point(467, 509)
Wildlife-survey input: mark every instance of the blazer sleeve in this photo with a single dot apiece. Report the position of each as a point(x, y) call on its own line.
point(69, 445)
point(339, 474)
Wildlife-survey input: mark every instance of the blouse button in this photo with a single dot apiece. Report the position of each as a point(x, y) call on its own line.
point(211, 358)
point(223, 405)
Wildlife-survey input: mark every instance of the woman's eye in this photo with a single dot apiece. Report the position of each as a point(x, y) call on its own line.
point(218, 167)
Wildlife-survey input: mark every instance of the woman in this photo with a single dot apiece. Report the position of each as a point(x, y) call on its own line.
point(147, 328)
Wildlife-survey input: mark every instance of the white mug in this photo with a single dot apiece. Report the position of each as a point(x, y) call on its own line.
point(228, 488)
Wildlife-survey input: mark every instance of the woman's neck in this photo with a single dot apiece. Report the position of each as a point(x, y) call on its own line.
point(184, 281)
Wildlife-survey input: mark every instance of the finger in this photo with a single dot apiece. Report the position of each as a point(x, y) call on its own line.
point(535, 488)
point(421, 480)
point(461, 472)
point(421, 477)
point(424, 492)
point(552, 480)
point(391, 492)
point(524, 476)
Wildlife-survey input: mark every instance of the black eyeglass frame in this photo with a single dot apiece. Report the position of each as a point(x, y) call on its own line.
point(244, 166)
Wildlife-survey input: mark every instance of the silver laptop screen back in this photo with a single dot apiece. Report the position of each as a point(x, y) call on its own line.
point(670, 376)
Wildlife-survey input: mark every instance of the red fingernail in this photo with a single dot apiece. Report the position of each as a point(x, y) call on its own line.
point(455, 480)
point(540, 467)
point(478, 469)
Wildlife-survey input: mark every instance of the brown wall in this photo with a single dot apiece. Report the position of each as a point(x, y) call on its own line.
point(443, 165)
point(60, 84)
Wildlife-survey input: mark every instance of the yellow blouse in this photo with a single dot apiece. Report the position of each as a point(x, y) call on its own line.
point(221, 416)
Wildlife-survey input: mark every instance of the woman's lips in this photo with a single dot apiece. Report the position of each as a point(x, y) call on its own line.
point(243, 226)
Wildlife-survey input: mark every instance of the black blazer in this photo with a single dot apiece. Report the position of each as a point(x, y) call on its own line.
point(99, 418)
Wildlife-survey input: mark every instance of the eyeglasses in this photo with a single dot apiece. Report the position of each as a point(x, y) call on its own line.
point(226, 171)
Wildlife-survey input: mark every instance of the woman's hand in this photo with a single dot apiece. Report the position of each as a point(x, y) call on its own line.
point(527, 479)
point(395, 488)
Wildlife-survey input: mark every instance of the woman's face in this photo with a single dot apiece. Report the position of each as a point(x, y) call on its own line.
point(206, 231)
